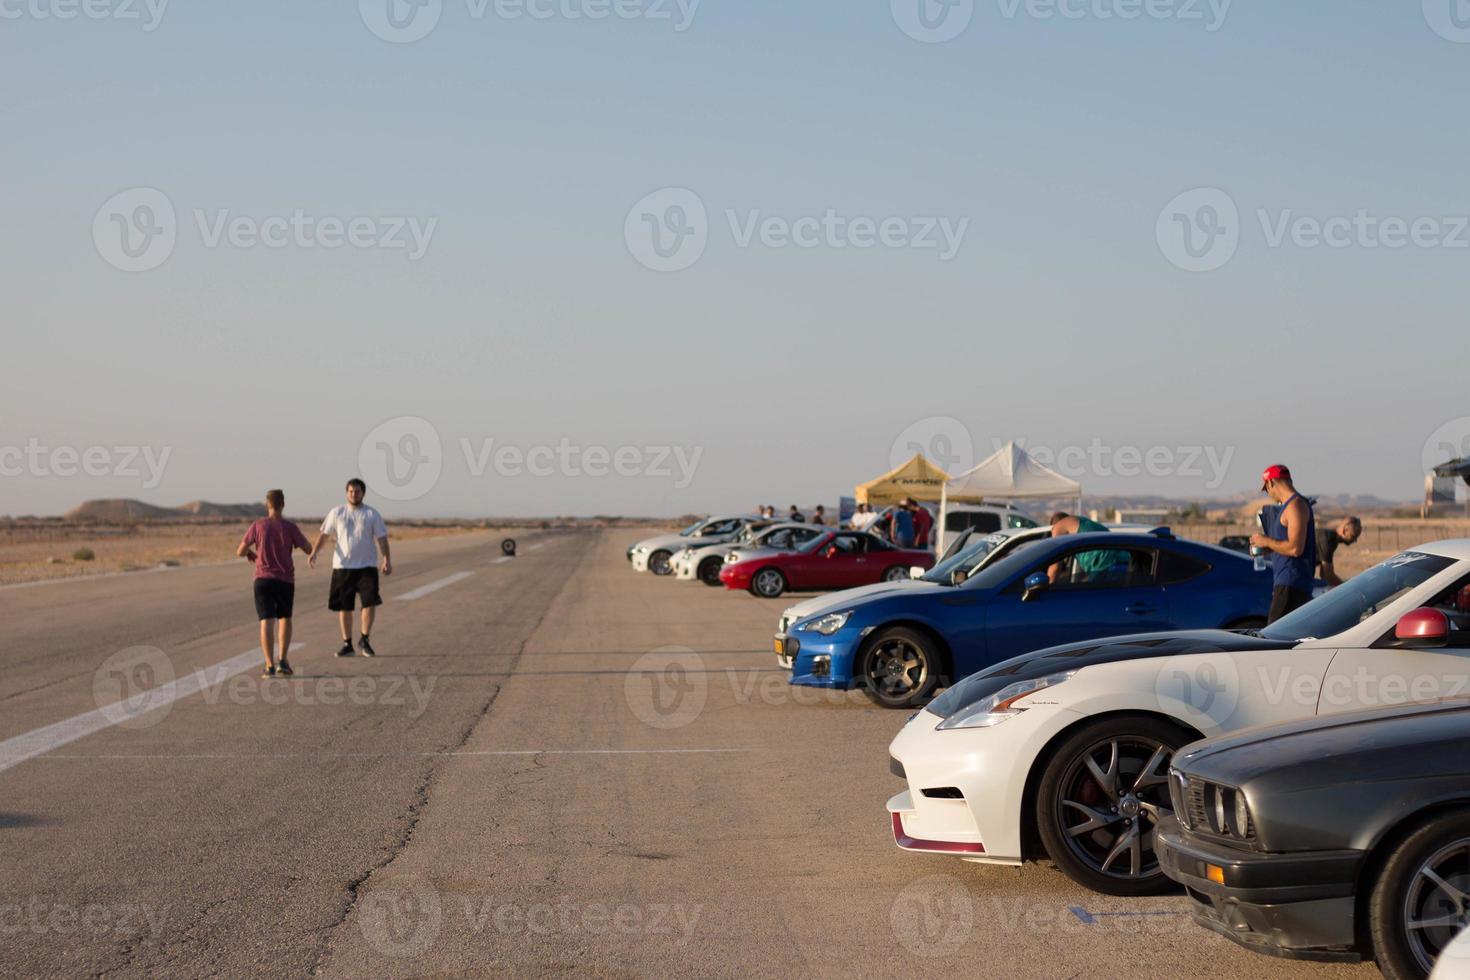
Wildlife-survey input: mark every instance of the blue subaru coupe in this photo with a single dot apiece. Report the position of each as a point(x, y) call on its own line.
point(898, 647)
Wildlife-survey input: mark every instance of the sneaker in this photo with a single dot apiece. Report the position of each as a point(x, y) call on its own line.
point(269, 671)
point(366, 648)
point(284, 669)
point(346, 650)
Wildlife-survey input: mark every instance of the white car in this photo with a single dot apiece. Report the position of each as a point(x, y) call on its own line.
point(704, 561)
point(970, 552)
point(1064, 752)
point(653, 554)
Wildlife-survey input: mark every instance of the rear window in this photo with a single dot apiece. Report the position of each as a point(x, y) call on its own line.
point(1175, 567)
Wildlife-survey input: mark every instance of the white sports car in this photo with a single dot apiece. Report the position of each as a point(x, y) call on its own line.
point(704, 561)
point(1064, 752)
point(653, 554)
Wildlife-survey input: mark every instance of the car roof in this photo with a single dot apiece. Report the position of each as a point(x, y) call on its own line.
point(1456, 548)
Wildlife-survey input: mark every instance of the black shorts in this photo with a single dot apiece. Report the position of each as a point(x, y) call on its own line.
point(349, 584)
point(1285, 599)
point(274, 598)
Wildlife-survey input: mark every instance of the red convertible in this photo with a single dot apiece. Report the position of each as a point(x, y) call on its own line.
point(835, 560)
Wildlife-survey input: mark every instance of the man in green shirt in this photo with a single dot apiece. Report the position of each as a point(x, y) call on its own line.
point(1088, 563)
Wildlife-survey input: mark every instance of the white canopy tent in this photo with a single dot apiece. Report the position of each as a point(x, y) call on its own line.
point(1009, 474)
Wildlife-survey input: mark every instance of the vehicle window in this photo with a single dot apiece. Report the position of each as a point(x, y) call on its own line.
point(853, 544)
point(1175, 567)
point(722, 527)
point(1358, 598)
point(815, 544)
point(1454, 602)
point(966, 558)
point(960, 520)
point(780, 538)
point(1016, 520)
point(800, 535)
point(1104, 568)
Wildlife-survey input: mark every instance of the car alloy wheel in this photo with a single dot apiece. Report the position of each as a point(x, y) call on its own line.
point(1421, 899)
point(1101, 800)
point(899, 669)
point(896, 574)
point(709, 571)
point(768, 583)
point(658, 563)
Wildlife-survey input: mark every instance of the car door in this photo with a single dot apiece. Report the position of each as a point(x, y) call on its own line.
point(807, 568)
point(1391, 671)
point(1102, 591)
point(846, 561)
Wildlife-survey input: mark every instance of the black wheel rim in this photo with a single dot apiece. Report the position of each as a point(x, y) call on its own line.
point(710, 571)
point(1113, 795)
point(1436, 903)
point(768, 582)
point(897, 669)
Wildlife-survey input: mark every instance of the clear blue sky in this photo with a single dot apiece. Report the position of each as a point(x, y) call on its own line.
point(528, 321)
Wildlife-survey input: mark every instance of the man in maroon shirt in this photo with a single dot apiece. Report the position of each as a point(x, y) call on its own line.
point(269, 544)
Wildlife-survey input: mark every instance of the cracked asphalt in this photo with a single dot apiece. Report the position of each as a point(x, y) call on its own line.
point(555, 766)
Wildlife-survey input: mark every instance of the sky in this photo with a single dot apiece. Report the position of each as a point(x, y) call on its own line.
point(530, 257)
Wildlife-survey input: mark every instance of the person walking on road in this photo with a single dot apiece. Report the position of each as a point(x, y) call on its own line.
point(1291, 537)
point(361, 536)
point(269, 543)
point(1348, 530)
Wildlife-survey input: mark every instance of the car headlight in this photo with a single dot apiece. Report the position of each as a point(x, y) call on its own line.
point(828, 624)
point(1000, 705)
point(642, 548)
point(732, 556)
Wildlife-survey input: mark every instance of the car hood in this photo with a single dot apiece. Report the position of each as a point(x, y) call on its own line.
point(1075, 656)
point(845, 598)
point(1391, 743)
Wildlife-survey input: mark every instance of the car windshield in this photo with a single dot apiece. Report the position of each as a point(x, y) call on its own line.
point(693, 527)
point(812, 545)
point(966, 558)
point(1358, 598)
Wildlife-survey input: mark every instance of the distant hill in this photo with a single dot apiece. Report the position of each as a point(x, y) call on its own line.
point(124, 509)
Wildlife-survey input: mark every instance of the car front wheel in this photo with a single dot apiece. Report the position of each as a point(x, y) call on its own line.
point(658, 563)
point(900, 668)
point(768, 583)
point(709, 571)
point(1100, 801)
point(1421, 899)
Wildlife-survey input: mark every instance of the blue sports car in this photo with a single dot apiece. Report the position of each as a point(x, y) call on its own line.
point(899, 646)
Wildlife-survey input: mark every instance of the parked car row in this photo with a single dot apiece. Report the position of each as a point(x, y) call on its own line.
point(1116, 704)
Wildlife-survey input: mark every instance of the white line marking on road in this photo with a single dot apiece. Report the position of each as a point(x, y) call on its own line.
point(418, 755)
point(424, 590)
point(502, 558)
point(14, 751)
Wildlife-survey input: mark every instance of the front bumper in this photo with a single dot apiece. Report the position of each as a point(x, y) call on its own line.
point(1298, 905)
point(639, 560)
point(816, 660)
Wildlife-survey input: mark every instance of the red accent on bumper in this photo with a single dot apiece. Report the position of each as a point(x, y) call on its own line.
point(914, 844)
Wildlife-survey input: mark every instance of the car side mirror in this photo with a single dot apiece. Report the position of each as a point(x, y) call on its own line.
point(958, 576)
point(1035, 584)
point(1422, 628)
point(832, 551)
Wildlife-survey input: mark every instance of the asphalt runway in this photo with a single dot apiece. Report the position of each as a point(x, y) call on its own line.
point(555, 766)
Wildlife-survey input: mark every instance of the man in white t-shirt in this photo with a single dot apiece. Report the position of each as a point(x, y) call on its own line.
point(360, 537)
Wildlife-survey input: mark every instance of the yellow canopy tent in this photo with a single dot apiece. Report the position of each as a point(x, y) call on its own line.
point(918, 478)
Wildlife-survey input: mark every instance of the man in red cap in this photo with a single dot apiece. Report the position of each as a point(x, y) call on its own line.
point(1291, 538)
